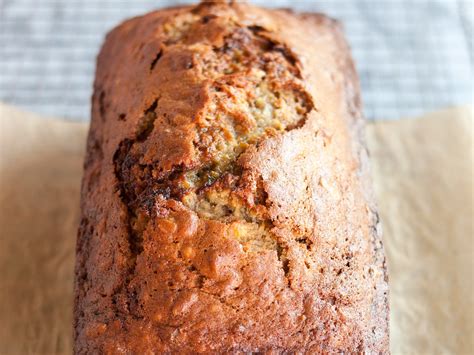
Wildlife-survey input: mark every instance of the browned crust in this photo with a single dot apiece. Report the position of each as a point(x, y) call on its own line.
point(274, 245)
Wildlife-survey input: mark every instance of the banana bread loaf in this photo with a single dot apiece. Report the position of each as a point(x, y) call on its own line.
point(226, 203)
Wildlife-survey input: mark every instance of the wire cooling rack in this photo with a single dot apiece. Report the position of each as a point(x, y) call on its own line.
point(412, 56)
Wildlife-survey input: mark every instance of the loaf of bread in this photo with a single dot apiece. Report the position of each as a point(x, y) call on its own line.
point(226, 203)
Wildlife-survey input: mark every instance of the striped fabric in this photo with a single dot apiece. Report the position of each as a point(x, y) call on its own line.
point(412, 56)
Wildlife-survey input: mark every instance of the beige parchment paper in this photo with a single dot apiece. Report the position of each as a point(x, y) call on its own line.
point(423, 179)
point(422, 171)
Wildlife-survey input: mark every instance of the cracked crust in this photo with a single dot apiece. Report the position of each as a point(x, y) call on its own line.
point(226, 203)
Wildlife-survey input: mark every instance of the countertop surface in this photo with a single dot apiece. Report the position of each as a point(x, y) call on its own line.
point(412, 56)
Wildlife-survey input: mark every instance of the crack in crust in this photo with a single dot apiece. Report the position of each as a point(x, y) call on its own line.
point(256, 93)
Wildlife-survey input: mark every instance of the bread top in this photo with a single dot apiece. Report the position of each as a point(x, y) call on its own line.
point(226, 205)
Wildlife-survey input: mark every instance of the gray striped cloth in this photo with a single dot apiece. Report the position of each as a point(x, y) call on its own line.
point(412, 56)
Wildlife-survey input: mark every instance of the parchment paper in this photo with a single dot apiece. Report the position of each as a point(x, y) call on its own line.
point(422, 170)
point(40, 177)
point(423, 178)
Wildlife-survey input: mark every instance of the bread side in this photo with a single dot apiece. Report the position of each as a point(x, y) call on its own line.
point(225, 202)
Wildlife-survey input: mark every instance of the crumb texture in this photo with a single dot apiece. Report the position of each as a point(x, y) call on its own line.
point(225, 203)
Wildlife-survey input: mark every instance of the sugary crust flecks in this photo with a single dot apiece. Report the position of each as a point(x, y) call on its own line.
point(226, 203)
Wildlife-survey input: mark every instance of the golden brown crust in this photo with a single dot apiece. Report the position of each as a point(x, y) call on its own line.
point(225, 203)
